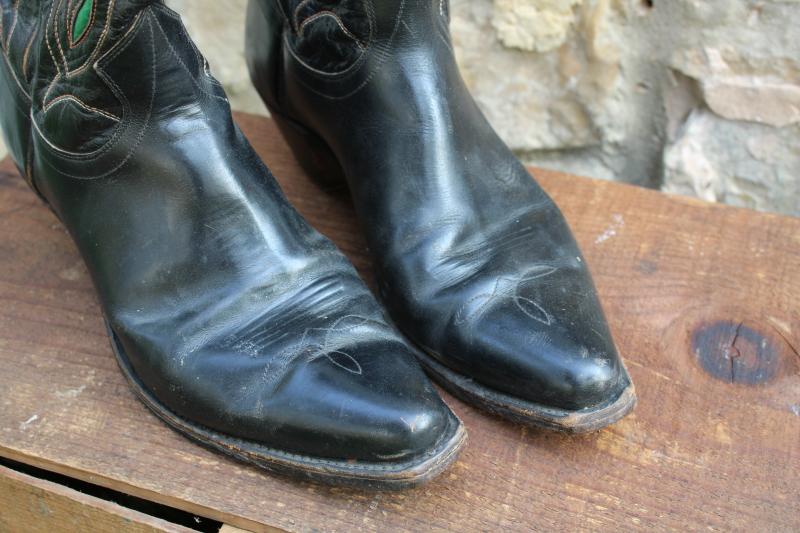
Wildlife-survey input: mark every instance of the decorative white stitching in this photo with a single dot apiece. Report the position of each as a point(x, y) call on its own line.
point(16, 78)
point(295, 18)
point(378, 64)
point(26, 54)
point(319, 15)
point(15, 9)
point(87, 107)
point(276, 369)
point(56, 33)
point(67, 73)
point(191, 75)
point(200, 59)
point(511, 292)
point(117, 49)
point(100, 41)
point(49, 46)
point(72, 18)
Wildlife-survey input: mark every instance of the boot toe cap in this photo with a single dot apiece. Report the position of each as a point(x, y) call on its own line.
point(547, 364)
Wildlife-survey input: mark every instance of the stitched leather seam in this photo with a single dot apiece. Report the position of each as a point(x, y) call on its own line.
point(47, 39)
point(186, 68)
point(15, 9)
point(27, 53)
point(58, 40)
point(121, 46)
point(100, 42)
point(200, 59)
point(19, 83)
point(81, 103)
point(72, 17)
point(337, 18)
point(383, 55)
point(52, 55)
point(53, 20)
point(295, 18)
point(357, 63)
point(6, 49)
point(4, 52)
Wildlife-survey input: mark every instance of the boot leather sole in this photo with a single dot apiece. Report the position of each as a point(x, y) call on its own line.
point(361, 475)
point(525, 412)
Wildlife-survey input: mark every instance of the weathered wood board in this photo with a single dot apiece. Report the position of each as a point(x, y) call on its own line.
point(32, 505)
point(704, 301)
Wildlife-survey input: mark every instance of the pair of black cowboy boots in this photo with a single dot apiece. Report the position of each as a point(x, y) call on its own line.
point(233, 319)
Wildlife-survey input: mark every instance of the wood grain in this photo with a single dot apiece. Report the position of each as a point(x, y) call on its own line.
point(231, 529)
point(688, 287)
point(32, 505)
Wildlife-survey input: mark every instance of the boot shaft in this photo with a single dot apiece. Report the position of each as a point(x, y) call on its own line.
point(332, 36)
point(78, 73)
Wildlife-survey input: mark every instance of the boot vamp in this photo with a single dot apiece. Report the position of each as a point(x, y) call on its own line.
point(504, 295)
point(475, 261)
point(229, 309)
point(307, 365)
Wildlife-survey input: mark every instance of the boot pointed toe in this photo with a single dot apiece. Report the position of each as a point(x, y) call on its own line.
point(550, 364)
point(233, 320)
point(463, 237)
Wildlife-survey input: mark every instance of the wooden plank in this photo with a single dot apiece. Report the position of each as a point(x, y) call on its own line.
point(32, 505)
point(703, 300)
point(231, 529)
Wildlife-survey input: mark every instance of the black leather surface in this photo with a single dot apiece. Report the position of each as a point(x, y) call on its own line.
point(475, 262)
point(233, 312)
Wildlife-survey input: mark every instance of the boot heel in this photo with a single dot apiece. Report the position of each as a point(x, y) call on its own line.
point(313, 154)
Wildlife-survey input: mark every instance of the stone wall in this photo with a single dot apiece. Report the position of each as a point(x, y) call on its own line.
point(697, 97)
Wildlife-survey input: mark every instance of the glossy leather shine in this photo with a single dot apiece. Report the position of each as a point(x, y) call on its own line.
point(230, 310)
point(475, 262)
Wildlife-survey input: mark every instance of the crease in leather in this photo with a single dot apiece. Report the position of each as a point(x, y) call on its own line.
point(232, 312)
point(473, 260)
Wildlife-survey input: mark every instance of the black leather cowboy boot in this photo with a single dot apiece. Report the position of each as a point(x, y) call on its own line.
point(475, 262)
point(233, 320)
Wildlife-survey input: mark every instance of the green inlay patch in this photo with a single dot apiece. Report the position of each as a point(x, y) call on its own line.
point(82, 20)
